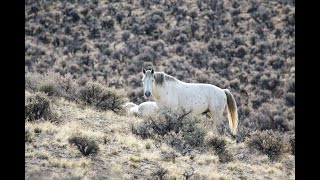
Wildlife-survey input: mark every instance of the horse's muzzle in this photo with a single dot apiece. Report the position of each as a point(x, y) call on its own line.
point(147, 94)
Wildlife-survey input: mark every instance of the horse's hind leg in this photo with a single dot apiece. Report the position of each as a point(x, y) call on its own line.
point(216, 113)
point(216, 116)
point(208, 114)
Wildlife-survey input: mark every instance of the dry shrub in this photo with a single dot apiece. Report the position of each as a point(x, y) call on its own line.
point(269, 82)
point(160, 124)
point(32, 81)
point(52, 83)
point(292, 142)
point(219, 146)
point(85, 144)
point(180, 130)
point(276, 62)
point(193, 131)
point(37, 106)
point(47, 82)
point(267, 119)
point(144, 129)
point(27, 136)
point(102, 98)
point(290, 99)
point(268, 142)
point(49, 89)
point(160, 172)
point(125, 36)
point(291, 86)
point(241, 51)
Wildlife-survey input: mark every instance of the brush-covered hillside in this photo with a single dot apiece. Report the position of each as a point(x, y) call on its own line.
point(84, 60)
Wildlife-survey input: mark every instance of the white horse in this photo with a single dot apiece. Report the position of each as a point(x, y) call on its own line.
point(131, 107)
point(144, 109)
point(147, 108)
point(172, 93)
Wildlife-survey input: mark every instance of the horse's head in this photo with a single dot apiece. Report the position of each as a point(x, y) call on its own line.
point(147, 82)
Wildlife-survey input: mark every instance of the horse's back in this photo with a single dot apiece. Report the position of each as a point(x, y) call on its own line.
point(209, 90)
point(199, 97)
point(215, 94)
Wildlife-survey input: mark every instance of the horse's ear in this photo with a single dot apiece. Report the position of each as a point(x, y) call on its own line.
point(144, 71)
point(152, 71)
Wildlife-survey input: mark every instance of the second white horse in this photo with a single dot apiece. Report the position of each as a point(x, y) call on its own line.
point(144, 109)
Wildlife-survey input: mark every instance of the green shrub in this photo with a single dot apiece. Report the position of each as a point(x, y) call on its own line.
point(49, 89)
point(148, 145)
point(37, 130)
point(193, 131)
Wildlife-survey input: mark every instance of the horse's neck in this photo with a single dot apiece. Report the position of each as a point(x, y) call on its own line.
point(159, 92)
point(156, 92)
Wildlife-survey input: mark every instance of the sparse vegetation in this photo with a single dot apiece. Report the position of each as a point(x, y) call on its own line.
point(83, 60)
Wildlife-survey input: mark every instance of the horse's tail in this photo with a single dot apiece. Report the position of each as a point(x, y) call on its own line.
point(232, 112)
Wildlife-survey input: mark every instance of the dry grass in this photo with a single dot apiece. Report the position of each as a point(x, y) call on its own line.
point(123, 155)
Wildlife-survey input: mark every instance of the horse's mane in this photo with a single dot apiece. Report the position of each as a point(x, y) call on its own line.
point(161, 77)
